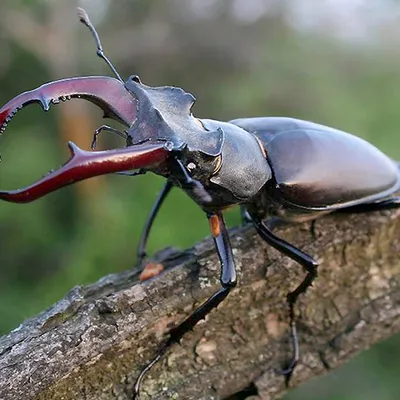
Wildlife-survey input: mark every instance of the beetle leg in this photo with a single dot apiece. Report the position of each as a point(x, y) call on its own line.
point(244, 215)
point(198, 189)
point(227, 279)
point(387, 204)
point(141, 251)
point(105, 128)
point(132, 173)
point(196, 186)
point(309, 264)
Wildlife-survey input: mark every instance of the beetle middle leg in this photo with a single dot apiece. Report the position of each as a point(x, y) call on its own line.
point(198, 189)
point(141, 251)
point(309, 264)
point(227, 279)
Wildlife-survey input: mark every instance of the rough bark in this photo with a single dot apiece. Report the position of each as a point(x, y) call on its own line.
point(92, 344)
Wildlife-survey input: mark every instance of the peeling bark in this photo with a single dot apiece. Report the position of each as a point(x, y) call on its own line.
point(93, 343)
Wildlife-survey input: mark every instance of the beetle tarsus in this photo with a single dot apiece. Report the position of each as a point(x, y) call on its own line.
point(228, 281)
point(288, 371)
point(308, 263)
point(105, 128)
point(177, 333)
point(147, 368)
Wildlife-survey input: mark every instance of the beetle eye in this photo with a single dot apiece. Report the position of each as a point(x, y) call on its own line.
point(135, 78)
point(191, 166)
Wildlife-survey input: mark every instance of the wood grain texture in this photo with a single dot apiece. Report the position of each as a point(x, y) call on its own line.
point(92, 343)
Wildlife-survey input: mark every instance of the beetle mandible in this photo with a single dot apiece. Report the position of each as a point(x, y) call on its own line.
point(273, 167)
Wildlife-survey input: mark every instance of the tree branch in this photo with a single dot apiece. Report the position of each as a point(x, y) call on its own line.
point(92, 344)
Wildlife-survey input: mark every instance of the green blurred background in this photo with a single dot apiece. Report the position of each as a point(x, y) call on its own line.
point(336, 62)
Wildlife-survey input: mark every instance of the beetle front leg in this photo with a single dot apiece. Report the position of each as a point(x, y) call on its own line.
point(198, 189)
point(227, 279)
point(105, 128)
point(309, 264)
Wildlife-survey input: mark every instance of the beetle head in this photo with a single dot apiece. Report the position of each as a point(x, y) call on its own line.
point(153, 115)
point(164, 115)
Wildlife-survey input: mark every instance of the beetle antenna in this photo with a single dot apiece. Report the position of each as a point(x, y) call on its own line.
point(84, 18)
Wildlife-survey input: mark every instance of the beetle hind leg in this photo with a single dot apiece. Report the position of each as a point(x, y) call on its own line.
point(309, 264)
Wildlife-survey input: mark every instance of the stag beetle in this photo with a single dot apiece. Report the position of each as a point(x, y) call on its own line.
point(273, 167)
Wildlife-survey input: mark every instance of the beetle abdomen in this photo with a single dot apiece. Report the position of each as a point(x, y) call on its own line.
point(318, 167)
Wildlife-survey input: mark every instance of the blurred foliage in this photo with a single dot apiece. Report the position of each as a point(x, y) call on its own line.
point(336, 64)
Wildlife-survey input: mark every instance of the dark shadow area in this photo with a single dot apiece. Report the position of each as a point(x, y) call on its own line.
point(250, 390)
